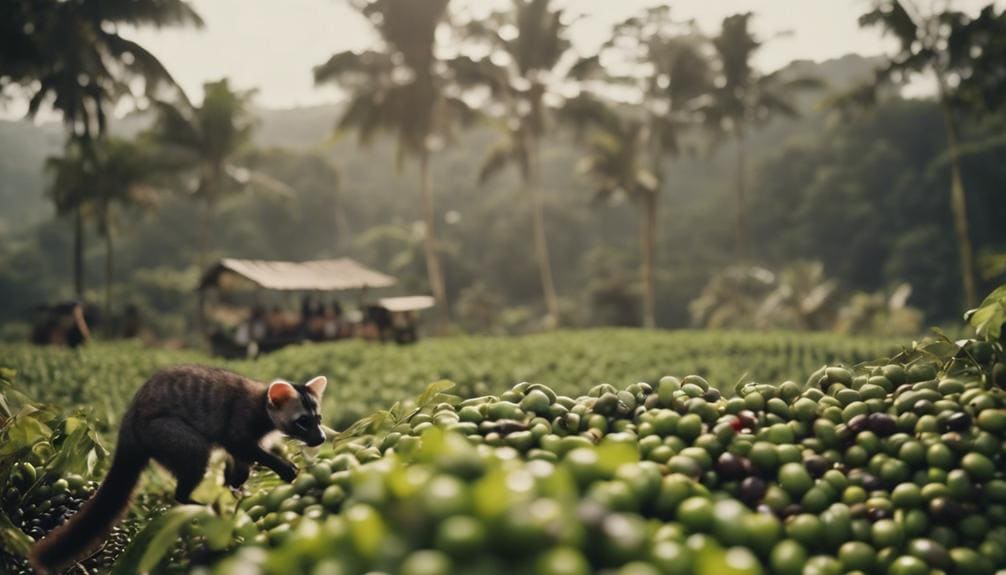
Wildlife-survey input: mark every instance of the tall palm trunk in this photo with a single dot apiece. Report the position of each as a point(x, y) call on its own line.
point(201, 262)
point(109, 275)
point(649, 228)
point(87, 149)
point(204, 234)
point(649, 243)
point(433, 270)
point(958, 200)
point(78, 251)
point(740, 226)
point(540, 241)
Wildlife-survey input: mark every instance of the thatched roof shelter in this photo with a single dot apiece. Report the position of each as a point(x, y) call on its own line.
point(319, 275)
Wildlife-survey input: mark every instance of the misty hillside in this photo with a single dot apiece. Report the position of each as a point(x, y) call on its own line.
point(862, 194)
point(24, 146)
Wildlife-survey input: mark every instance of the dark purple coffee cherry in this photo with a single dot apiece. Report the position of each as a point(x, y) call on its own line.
point(791, 509)
point(729, 466)
point(959, 421)
point(857, 424)
point(882, 424)
point(748, 419)
point(816, 465)
point(752, 490)
point(871, 482)
point(945, 510)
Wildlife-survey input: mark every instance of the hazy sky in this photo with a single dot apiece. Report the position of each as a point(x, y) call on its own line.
point(272, 45)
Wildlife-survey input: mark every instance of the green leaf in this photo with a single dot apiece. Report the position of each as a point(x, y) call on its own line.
point(377, 419)
point(990, 316)
point(450, 398)
point(938, 350)
point(432, 390)
point(155, 540)
point(73, 455)
point(413, 413)
point(940, 334)
point(6, 381)
point(396, 411)
point(219, 532)
point(355, 430)
point(24, 430)
point(7, 376)
point(92, 461)
point(13, 540)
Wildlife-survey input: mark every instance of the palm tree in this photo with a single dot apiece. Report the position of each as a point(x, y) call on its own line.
point(124, 172)
point(619, 165)
point(928, 44)
point(401, 88)
point(114, 174)
point(977, 53)
point(69, 191)
point(523, 75)
point(744, 98)
point(664, 62)
point(203, 142)
point(71, 56)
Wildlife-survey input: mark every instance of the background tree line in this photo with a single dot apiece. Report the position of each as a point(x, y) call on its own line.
point(863, 184)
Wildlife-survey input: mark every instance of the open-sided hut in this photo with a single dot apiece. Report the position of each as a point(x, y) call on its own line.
point(318, 276)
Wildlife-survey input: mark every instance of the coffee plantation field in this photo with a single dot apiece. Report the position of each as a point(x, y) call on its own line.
point(568, 453)
point(368, 376)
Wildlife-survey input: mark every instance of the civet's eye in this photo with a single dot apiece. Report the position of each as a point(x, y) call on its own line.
point(303, 421)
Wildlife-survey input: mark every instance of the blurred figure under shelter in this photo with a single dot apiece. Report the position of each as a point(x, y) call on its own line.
point(64, 323)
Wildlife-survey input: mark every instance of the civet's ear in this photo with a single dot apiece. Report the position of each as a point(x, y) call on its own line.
point(280, 392)
point(317, 386)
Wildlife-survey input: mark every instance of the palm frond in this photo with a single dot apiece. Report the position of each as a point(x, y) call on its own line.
point(365, 115)
point(353, 66)
point(614, 161)
point(860, 97)
point(586, 68)
point(156, 13)
point(894, 18)
point(175, 126)
point(770, 103)
point(735, 46)
point(689, 73)
point(587, 111)
point(499, 157)
point(467, 72)
point(79, 63)
point(143, 64)
point(457, 111)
